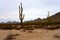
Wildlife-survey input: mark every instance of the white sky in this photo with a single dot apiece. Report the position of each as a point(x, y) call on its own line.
point(31, 8)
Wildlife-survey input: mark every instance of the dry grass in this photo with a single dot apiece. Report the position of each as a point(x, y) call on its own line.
point(37, 34)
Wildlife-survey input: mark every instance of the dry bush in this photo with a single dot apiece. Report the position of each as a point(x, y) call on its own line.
point(29, 29)
point(11, 36)
point(56, 36)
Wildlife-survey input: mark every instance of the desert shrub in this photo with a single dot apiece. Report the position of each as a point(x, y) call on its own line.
point(52, 27)
point(37, 27)
point(9, 37)
point(29, 28)
point(8, 27)
point(56, 36)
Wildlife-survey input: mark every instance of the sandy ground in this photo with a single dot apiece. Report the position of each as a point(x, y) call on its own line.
point(37, 34)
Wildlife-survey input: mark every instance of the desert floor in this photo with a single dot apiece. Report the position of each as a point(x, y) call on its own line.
point(37, 34)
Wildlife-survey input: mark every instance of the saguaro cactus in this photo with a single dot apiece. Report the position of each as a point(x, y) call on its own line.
point(48, 19)
point(48, 14)
point(21, 16)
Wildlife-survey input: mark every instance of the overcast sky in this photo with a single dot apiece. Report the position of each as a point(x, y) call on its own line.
point(31, 8)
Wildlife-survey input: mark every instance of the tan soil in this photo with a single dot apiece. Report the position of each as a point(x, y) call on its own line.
point(37, 34)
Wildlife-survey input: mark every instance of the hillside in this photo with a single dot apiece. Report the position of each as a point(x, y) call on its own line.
point(55, 18)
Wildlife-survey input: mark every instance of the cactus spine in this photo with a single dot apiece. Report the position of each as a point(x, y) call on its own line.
point(21, 16)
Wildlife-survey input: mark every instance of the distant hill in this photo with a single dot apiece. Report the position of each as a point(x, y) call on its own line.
point(34, 21)
point(55, 18)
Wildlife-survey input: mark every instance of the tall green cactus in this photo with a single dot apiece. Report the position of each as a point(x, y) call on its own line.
point(21, 16)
